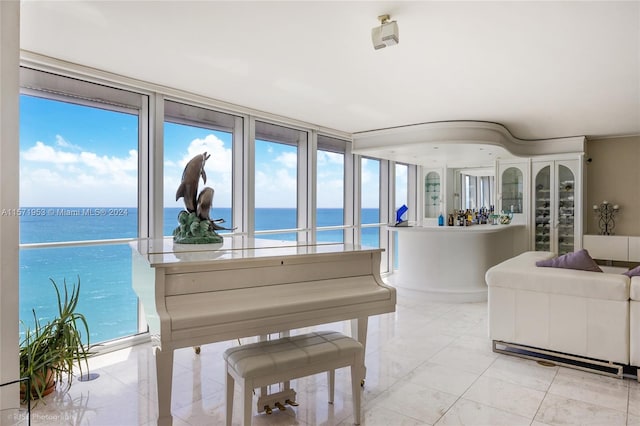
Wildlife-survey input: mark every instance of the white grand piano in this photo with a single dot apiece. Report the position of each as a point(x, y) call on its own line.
point(204, 293)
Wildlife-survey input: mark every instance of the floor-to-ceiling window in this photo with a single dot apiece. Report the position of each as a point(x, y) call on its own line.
point(401, 199)
point(276, 180)
point(79, 145)
point(191, 131)
point(370, 202)
point(330, 188)
point(95, 161)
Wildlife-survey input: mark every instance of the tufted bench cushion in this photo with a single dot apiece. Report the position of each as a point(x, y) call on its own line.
point(275, 361)
point(263, 358)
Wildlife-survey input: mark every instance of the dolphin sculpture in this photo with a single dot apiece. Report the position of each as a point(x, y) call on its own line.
point(205, 201)
point(190, 176)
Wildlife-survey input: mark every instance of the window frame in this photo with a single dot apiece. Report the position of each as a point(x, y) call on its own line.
point(69, 88)
point(208, 118)
point(342, 147)
point(151, 155)
point(279, 133)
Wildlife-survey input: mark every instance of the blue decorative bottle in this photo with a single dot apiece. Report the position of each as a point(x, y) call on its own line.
point(440, 220)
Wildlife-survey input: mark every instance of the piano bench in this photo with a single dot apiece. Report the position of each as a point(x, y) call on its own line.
point(275, 361)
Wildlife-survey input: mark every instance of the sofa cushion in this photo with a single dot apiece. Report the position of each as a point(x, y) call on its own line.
point(521, 273)
point(635, 272)
point(579, 260)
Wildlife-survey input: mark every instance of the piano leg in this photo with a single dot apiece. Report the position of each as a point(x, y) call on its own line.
point(264, 390)
point(359, 332)
point(164, 377)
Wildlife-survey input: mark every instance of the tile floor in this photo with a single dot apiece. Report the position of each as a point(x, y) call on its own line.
point(427, 364)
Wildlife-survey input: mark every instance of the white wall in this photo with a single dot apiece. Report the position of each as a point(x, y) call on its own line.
point(613, 175)
point(9, 174)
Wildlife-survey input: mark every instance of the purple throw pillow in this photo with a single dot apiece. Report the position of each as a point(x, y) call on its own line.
point(579, 260)
point(635, 272)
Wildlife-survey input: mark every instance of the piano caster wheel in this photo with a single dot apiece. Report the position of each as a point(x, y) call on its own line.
point(267, 409)
point(291, 403)
point(362, 383)
point(197, 349)
point(280, 406)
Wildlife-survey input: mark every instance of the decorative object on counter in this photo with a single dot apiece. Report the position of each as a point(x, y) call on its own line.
point(470, 217)
point(605, 212)
point(441, 220)
point(399, 213)
point(195, 225)
point(505, 218)
point(483, 215)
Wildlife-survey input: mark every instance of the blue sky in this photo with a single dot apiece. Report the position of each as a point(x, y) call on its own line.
point(73, 155)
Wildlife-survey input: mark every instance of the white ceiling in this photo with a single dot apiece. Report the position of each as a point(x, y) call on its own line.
point(542, 69)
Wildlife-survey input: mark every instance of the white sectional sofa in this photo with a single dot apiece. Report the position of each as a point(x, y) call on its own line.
point(591, 315)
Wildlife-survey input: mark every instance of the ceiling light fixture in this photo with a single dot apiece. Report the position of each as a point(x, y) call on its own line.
point(386, 34)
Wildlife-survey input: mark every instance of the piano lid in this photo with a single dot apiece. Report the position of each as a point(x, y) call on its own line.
point(165, 252)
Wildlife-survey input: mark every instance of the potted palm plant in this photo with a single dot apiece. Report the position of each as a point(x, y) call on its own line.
point(49, 351)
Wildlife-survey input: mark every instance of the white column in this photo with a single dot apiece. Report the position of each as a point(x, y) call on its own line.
point(9, 176)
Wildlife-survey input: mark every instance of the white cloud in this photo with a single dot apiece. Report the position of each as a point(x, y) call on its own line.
point(366, 176)
point(102, 165)
point(330, 192)
point(401, 175)
point(110, 165)
point(62, 142)
point(220, 160)
point(325, 157)
point(288, 159)
point(53, 176)
point(48, 187)
point(276, 190)
point(48, 154)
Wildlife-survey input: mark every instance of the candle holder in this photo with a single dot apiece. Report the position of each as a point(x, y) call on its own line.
point(605, 212)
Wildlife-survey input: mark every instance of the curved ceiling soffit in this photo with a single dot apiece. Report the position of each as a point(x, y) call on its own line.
point(464, 132)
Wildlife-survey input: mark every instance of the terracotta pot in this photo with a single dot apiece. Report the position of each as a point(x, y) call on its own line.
point(50, 385)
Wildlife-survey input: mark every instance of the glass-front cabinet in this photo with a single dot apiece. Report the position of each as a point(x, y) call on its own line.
point(542, 209)
point(512, 186)
point(512, 190)
point(557, 192)
point(432, 194)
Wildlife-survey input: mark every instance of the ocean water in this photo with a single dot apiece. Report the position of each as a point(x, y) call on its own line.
point(104, 271)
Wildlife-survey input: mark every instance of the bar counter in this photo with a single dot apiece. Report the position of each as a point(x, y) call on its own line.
point(449, 262)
